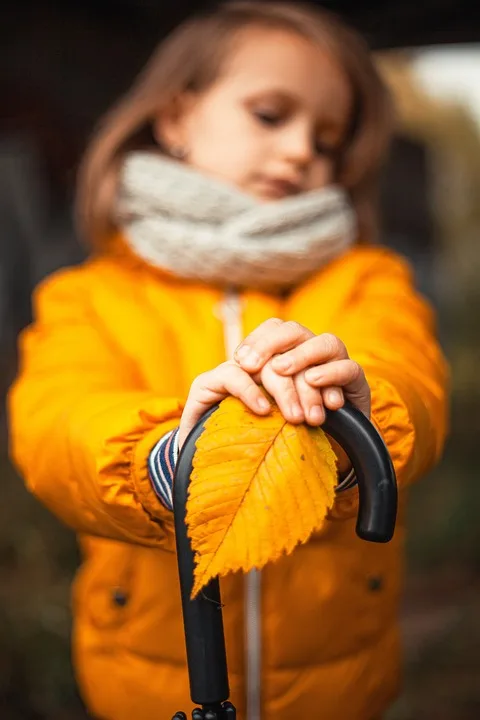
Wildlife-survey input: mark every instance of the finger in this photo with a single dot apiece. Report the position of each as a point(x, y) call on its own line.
point(249, 343)
point(341, 373)
point(284, 392)
point(313, 351)
point(268, 339)
point(310, 400)
point(229, 379)
point(214, 386)
point(333, 397)
point(346, 374)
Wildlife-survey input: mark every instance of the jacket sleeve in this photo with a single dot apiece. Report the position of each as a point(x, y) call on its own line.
point(389, 329)
point(82, 425)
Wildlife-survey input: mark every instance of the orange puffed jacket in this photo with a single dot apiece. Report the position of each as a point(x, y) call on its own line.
point(105, 369)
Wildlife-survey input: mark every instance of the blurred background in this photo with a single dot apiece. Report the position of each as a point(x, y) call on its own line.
point(61, 65)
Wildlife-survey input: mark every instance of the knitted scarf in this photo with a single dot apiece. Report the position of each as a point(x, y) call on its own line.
point(198, 227)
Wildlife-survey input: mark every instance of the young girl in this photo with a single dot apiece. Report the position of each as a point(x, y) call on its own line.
point(229, 200)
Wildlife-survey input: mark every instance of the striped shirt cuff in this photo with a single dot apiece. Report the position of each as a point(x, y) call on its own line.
point(161, 467)
point(347, 482)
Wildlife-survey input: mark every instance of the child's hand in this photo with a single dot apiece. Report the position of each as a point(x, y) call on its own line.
point(318, 368)
point(230, 379)
point(319, 373)
point(215, 385)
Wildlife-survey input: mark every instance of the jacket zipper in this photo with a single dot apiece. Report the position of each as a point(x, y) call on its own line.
point(231, 315)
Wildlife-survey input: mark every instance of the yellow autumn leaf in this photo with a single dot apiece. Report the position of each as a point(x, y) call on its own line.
point(259, 487)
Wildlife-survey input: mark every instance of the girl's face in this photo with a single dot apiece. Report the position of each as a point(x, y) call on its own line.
point(271, 122)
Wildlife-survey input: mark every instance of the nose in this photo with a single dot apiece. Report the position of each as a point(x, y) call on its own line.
point(297, 144)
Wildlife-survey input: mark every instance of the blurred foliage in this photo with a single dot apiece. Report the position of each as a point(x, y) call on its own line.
point(37, 561)
point(441, 618)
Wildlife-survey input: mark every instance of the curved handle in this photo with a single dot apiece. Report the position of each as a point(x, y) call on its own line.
point(377, 485)
point(202, 617)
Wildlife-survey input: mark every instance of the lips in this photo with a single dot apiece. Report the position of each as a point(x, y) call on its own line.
point(277, 188)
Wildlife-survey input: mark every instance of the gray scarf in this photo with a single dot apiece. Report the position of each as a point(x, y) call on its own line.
point(200, 228)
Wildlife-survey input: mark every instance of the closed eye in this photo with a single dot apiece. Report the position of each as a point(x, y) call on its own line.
point(268, 117)
point(326, 149)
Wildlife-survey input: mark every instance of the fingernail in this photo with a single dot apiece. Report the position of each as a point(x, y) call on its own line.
point(282, 362)
point(334, 397)
point(313, 376)
point(263, 403)
point(296, 411)
point(316, 414)
point(241, 352)
point(248, 357)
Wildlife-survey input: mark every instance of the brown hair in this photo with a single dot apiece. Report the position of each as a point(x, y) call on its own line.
point(190, 58)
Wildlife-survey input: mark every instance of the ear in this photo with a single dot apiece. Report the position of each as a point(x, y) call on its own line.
point(170, 127)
